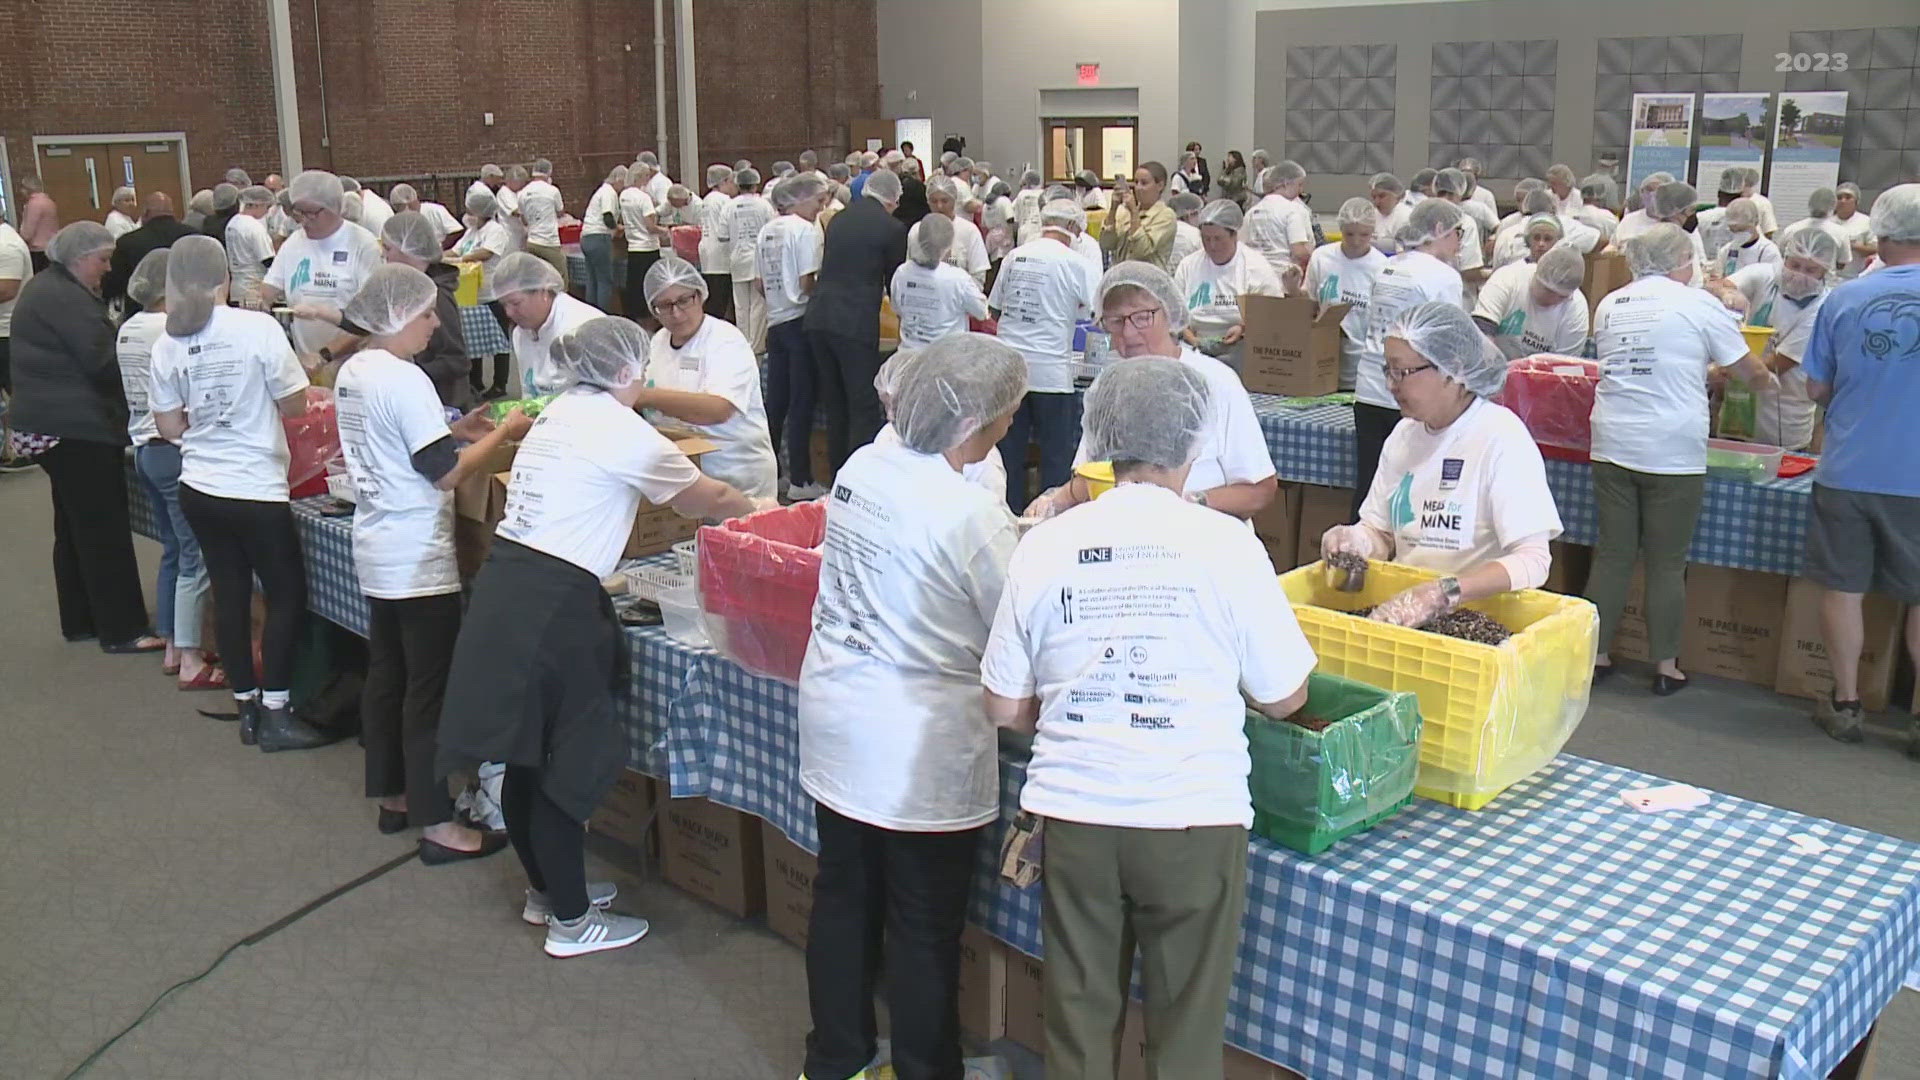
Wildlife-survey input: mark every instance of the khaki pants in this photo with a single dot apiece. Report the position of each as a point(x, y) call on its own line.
point(750, 314)
point(552, 256)
point(1177, 893)
point(1650, 516)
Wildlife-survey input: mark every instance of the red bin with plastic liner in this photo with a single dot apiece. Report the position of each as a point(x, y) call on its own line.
point(570, 234)
point(686, 242)
point(313, 439)
point(759, 575)
point(1553, 396)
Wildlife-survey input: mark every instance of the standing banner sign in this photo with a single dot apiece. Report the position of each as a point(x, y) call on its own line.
point(1662, 137)
point(1808, 128)
point(1733, 131)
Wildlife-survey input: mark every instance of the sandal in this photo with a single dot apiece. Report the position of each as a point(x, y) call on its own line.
point(211, 677)
point(144, 644)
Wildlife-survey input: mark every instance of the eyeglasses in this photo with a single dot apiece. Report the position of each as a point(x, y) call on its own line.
point(1139, 320)
point(668, 307)
point(1395, 374)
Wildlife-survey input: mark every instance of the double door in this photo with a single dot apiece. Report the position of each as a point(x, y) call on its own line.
point(82, 176)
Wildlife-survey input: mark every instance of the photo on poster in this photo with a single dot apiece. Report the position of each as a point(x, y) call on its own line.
point(1662, 137)
point(1733, 132)
point(1808, 129)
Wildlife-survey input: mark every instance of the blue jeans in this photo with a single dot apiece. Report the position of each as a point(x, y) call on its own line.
point(597, 249)
point(1051, 421)
point(790, 396)
point(183, 585)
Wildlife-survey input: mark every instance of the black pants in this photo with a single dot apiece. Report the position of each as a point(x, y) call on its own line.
point(846, 368)
point(409, 651)
point(39, 260)
point(95, 575)
point(1052, 422)
point(633, 294)
point(1371, 426)
point(909, 889)
point(720, 295)
point(241, 540)
point(6, 365)
point(551, 845)
point(792, 387)
point(502, 362)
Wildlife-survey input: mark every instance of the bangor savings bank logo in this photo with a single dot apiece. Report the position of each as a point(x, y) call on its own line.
point(1891, 327)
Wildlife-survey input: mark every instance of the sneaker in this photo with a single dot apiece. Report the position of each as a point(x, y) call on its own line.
point(805, 492)
point(596, 931)
point(1839, 721)
point(539, 908)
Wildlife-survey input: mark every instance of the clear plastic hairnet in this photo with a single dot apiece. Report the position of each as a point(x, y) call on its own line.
point(1562, 270)
point(1821, 201)
point(1183, 203)
point(839, 173)
point(403, 195)
point(1148, 410)
point(781, 168)
point(1527, 184)
point(1358, 211)
point(225, 196)
point(1086, 178)
point(1560, 172)
point(1549, 221)
point(521, 272)
point(1056, 192)
point(1150, 279)
point(747, 178)
point(930, 240)
point(78, 240)
point(1431, 220)
point(883, 185)
point(1732, 179)
point(671, 271)
point(1030, 178)
point(1673, 200)
point(349, 185)
point(953, 388)
point(255, 195)
point(517, 172)
point(1660, 250)
point(1468, 165)
point(392, 296)
point(1285, 172)
point(1450, 182)
point(481, 204)
point(718, 174)
point(352, 208)
point(617, 176)
point(608, 352)
point(1447, 337)
point(1848, 187)
point(1600, 189)
point(202, 202)
point(869, 160)
point(1063, 214)
point(238, 177)
point(1818, 244)
point(1742, 214)
point(648, 157)
point(1423, 180)
point(1225, 213)
point(1896, 214)
point(809, 159)
point(962, 164)
point(1538, 201)
point(410, 233)
point(1259, 157)
point(795, 190)
point(196, 274)
point(892, 159)
point(1656, 180)
point(1751, 174)
point(490, 171)
point(1387, 182)
point(941, 185)
point(317, 188)
point(148, 285)
point(542, 167)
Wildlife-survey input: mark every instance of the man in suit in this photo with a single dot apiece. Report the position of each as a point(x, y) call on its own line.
point(864, 245)
point(158, 229)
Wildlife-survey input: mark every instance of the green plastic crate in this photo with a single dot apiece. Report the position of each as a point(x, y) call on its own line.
point(1312, 789)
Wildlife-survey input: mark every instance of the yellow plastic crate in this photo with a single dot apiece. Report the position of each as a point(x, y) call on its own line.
point(1494, 714)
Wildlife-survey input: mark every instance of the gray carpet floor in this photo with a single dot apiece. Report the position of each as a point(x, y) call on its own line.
point(142, 840)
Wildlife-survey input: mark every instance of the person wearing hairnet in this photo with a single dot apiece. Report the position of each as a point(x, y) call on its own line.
point(1561, 182)
point(702, 373)
point(838, 196)
point(1082, 243)
point(656, 181)
point(867, 244)
point(1866, 494)
point(541, 311)
point(226, 203)
point(1258, 163)
point(1143, 810)
point(199, 209)
point(1342, 272)
point(967, 249)
point(1750, 188)
point(1536, 307)
point(598, 223)
point(1534, 237)
point(1521, 189)
point(716, 264)
point(1421, 186)
point(1480, 194)
point(124, 217)
point(1139, 227)
point(405, 197)
point(787, 260)
point(1042, 290)
point(1026, 206)
point(404, 461)
point(1421, 273)
point(997, 222)
point(1186, 208)
point(896, 750)
point(1786, 296)
point(249, 245)
point(1857, 227)
point(932, 294)
point(1821, 203)
point(1087, 190)
point(1451, 185)
point(740, 230)
point(1389, 198)
point(1512, 242)
point(1461, 488)
point(639, 216)
point(1659, 342)
point(374, 210)
point(507, 195)
point(1673, 204)
point(1745, 246)
point(324, 262)
point(989, 473)
point(1598, 196)
point(223, 379)
point(1641, 218)
point(539, 648)
point(1710, 224)
point(487, 243)
point(1213, 279)
point(1279, 228)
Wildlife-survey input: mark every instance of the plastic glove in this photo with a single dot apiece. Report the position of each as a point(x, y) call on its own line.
point(764, 504)
point(1414, 607)
point(474, 426)
point(1348, 540)
point(1047, 505)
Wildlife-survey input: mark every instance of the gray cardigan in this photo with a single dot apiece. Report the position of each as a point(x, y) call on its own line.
point(66, 377)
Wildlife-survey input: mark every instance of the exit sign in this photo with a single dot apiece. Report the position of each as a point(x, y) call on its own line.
point(1089, 74)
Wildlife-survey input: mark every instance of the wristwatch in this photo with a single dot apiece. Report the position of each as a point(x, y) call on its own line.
point(1200, 498)
point(326, 355)
point(1450, 591)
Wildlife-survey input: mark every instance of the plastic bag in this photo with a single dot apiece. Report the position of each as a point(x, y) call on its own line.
point(686, 242)
point(1311, 788)
point(1553, 396)
point(1739, 412)
point(759, 576)
point(313, 439)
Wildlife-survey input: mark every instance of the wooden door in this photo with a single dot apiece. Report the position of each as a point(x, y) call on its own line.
point(79, 178)
point(155, 167)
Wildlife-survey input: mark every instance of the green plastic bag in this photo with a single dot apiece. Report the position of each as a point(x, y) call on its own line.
point(498, 410)
point(1738, 411)
point(1313, 788)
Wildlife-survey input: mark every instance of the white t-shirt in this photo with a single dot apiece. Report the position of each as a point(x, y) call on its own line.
point(1233, 449)
point(1408, 280)
point(1599, 219)
point(1026, 214)
point(1386, 233)
point(1138, 620)
point(402, 523)
point(1710, 225)
point(1186, 241)
point(1213, 291)
point(713, 250)
point(133, 348)
point(507, 202)
point(989, 473)
point(1273, 226)
point(580, 475)
point(1783, 418)
point(374, 211)
point(1456, 498)
point(719, 360)
point(657, 186)
point(491, 236)
point(1092, 199)
point(228, 378)
point(635, 209)
point(441, 219)
point(325, 271)
point(1857, 228)
point(1511, 244)
point(604, 201)
point(1738, 254)
point(16, 264)
point(1656, 339)
point(1472, 255)
point(1483, 195)
point(750, 212)
point(1043, 289)
point(1635, 223)
point(1089, 249)
point(968, 250)
point(1524, 327)
point(248, 249)
point(120, 224)
point(1334, 278)
point(893, 731)
point(1769, 221)
point(1484, 214)
point(532, 348)
point(933, 303)
point(788, 250)
point(1568, 205)
point(540, 207)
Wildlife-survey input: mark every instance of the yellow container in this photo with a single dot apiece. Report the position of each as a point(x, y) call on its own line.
point(1096, 220)
point(1757, 338)
point(1098, 475)
point(889, 322)
point(467, 293)
point(1494, 714)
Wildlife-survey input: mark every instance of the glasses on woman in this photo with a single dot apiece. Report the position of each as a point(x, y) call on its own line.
point(1139, 320)
point(669, 307)
point(1399, 374)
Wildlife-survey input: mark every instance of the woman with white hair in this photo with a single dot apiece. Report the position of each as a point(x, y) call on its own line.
point(1186, 226)
point(598, 223)
point(1214, 279)
point(1536, 307)
point(1787, 296)
point(896, 749)
point(539, 648)
point(1566, 193)
point(125, 215)
point(1342, 272)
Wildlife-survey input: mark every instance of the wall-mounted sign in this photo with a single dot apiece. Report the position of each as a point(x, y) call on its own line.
point(1089, 75)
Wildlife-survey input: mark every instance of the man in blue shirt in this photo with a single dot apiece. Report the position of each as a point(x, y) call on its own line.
point(1863, 362)
point(869, 161)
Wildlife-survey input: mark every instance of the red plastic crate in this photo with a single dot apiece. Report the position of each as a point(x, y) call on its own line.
point(1553, 396)
point(758, 578)
point(570, 234)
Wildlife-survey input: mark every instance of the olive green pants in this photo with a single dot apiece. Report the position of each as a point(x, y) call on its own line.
point(1651, 517)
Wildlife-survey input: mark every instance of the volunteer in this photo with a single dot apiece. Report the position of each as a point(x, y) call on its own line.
point(323, 262)
point(933, 296)
point(508, 195)
point(125, 215)
point(1673, 203)
point(541, 310)
point(997, 223)
point(1536, 307)
point(1186, 226)
point(701, 372)
point(1641, 218)
point(1533, 236)
point(787, 259)
point(1139, 227)
point(1461, 488)
point(1214, 279)
point(1451, 185)
point(989, 473)
point(1857, 226)
point(1232, 469)
point(1144, 806)
point(249, 246)
point(1083, 244)
point(1421, 273)
point(715, 263)
point(199, 209)
point(1457, 186)
point(895, 746)
point(639, 217)
point(404, 463)
point(1257, 164)
point(1389, 198)
point(1342, 272)
point(1598, 195)
point(1477, 192)
point(538, 651)
point(1710, 224)
point(226, 203)
point(1560, 181)
point(1088, 192)
point(1026, 207)
point(1745, 246)
point(222, 380)
point(405, 197)
point(182, 587)
point(1750, 187)
point(597, 226)
point(1658, 341)
point(1786, 296)
point(374, 210)
point(487, 243)
point(1821, 203)
point(1280, 227)
point(740, 231)
point(968, 249)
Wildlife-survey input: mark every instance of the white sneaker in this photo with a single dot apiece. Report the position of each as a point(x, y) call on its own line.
point(596, 931)
point(805, 492)
point(600, 894)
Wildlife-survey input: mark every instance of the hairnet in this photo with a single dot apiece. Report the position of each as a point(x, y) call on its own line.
point(1538, 201)
point(1431, 220)
point(617, 176)
point(1423, 180)
point(123, 193)
point(1660, 250)
point(999, 190)
point(1149, 279)
point(1450, 182)
point(1447, 337)
point(1818, 244)
point(196, 272)
point(1284, 172)
point(148, 284)
point(1543, 221)
point(1742, 214)
point(1560, 172)
point(352, 207)
point(1148, 410)
point(1387, 182)
point(781, 168)
point(678, 190)
point(718, 174)
point(490, 171)
point(670, 271)
point(808, 159)
point(953, 388)
point(1599, 188)
point(403, 195)
point(317, 188)
point(747, 178)
point(1655, 180)
point(225, 196)
point(869, 160)
point(648, 158)
point(883, 185)
point(1223, 212)
point(202, 201)
point(1086, 178)
point(521, 272)
point(517, 172)
point(1732, 179)
point(349, 185)
point(255, 195)
point(78, 240)
point(930, 240)
point(1821, 201)
point(795, 190)
point(941, 185)
point(413, 235)
point(1058, 191)
point(1847, 187)
point(1526, 184)
point(892, 158)
point(284, 199)
point(839, 172)
point(1358, 211)
point(962, 163)
point(1468, 165)
point(542, 167)
point(1184, 203)
point(1751, 175)
point(1563, 270)
point(482, 204)
point(392, 296)
point(238, 177)
point(1260, 156)
point(1030, 178)
point(1896, 214)
point(1063, 214)
point(1672, 200)
point(608, 352)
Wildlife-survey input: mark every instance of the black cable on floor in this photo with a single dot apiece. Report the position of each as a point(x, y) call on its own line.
point(254, 938)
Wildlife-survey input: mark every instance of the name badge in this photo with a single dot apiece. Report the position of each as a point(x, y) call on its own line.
point(1450, 470)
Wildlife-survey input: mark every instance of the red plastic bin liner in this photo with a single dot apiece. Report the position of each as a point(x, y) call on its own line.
point(759, 575)
point(1553, 396)
point(570, 234)
point(313, 439)
point(686, 242)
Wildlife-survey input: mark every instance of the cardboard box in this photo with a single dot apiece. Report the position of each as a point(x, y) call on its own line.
point(1278, 527)
point(1568, 575)
point(1236, 1064)
point(626, 814)
point(1289, 349)
point(712, 852)
point(1733, 622)
point(1026, 1002)
point(475, 497)
point(822, 464)
point(789, 876)
point(1630, 639)
point(1606, 271)
point(471, 542)
point(983, 985)
point(1321, 508)
point(1803, 669)
point(1241, 1065)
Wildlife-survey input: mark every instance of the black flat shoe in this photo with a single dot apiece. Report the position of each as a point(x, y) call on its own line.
point(392, 821)
point(83, 636)
point(1667, 685)
point(437, 854)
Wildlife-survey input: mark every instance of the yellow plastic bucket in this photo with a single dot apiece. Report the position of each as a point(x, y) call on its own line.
point(1757, 338)
point(1098, 475)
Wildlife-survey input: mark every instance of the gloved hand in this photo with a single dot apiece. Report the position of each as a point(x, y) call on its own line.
point(764, 504)
point(1046, 505)
point(1415, 607)
point(1347, 547)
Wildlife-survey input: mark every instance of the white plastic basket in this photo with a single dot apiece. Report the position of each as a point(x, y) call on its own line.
point(648, 582)
point(687, 553)
point(340, 486)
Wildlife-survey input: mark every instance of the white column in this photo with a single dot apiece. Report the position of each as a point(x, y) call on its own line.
point(286, 106)
point(690, 171)
point(660, 78)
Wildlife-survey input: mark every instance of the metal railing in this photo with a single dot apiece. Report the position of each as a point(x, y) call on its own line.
point(449, 189)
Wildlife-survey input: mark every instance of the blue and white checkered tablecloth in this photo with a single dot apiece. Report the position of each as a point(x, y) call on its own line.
point(483, 334)
point(577, 267)
point(1745, 526)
